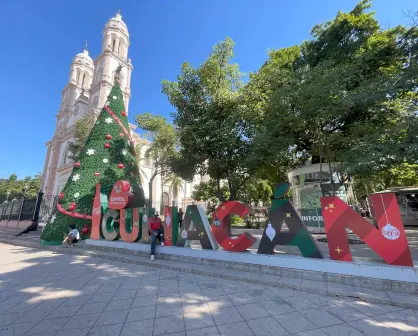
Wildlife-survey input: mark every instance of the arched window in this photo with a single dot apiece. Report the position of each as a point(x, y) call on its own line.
point(78, 75)
point(122, 48)
point(113, 44)
point(84, 78)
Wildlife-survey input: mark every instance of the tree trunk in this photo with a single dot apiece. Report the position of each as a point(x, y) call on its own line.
point(332, 179)
point(320, 170)
point(150, 196)
point(232, 191)
point(162, 194)
point(219, 192)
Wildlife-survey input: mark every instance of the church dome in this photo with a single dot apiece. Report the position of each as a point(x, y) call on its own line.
point(83, 58)
point(117, 23)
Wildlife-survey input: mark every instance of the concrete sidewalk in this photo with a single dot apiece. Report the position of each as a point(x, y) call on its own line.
point(48, 293)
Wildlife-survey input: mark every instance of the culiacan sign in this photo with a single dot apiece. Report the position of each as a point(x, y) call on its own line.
point(113, 218)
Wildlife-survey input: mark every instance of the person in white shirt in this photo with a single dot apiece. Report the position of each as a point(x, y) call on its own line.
point(72, 237)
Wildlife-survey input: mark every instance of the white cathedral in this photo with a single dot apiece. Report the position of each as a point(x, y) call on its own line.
point(86, 92)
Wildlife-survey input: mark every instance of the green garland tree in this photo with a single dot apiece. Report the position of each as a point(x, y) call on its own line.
point(107, 156)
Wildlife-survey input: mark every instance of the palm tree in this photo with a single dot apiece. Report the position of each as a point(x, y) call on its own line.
point(176, 184)
point(138, 150)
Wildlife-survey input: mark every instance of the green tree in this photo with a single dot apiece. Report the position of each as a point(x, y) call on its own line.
point(162, 150)
point(176, 184)
point(400, 175)
point(34, 185)
point(322, 97)
point(208, 192)
point(14, 188)
point(107, 157)
point(255, 190)
point(140, 160)
point(82, 129)
point(216, 131)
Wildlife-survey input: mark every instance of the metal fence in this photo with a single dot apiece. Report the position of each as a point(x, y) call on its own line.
point(17, 210)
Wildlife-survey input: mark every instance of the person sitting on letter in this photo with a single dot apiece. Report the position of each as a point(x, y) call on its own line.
point(156, 229)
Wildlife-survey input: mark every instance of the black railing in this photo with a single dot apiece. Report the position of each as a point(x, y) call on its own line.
point(17, 209)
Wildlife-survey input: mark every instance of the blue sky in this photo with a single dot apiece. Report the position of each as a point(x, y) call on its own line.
point(40, 38)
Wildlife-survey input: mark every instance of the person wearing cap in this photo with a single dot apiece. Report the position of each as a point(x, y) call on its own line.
point(156, 229)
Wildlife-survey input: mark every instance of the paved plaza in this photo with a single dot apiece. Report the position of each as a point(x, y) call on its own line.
point(45, 293)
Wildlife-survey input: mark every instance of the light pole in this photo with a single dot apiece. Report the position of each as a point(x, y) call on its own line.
point(25, 190)
point(7, 196)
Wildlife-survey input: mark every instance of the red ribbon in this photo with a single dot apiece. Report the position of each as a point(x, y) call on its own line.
point(118, 121)
point(71, 214)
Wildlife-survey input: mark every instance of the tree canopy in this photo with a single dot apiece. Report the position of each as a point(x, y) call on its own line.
point(347, 95)
point(347, 91)
point(162, 150)
point(13, 187)
point(217, 130)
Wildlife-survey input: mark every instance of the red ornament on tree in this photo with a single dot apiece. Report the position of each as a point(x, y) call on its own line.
point(121, 166)
point(61, 195)
point(72, 206)
point(124, 113)
point(96, 174)
point(108, 136)
point(132, 142)
point(121, 134)
point(85, 230)
point(107, 145)
point(77, 165)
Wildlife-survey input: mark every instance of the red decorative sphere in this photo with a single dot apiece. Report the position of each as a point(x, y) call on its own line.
point(124, 113)
point(61, 195)
point(107, 145)
point(108, 136)
point(121, 134)
point(72, 206)
point(96, 174)
point(85, 230)
point(77, 165)
point(121, 166)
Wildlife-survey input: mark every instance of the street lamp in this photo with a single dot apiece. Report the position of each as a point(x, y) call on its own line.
point(25, 190)
point(7, 196)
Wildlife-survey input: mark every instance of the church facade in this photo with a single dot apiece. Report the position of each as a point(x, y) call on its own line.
point(88, 86)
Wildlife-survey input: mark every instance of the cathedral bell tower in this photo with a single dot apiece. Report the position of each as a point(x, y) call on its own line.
point(74, 95)
point(114, 53)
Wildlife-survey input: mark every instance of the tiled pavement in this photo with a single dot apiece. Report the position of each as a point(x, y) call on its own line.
point(43, 293)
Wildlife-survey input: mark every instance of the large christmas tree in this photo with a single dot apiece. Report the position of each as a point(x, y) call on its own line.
point(107, 156)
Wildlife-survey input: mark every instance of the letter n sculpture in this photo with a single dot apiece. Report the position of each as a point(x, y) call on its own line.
point(389, 241)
